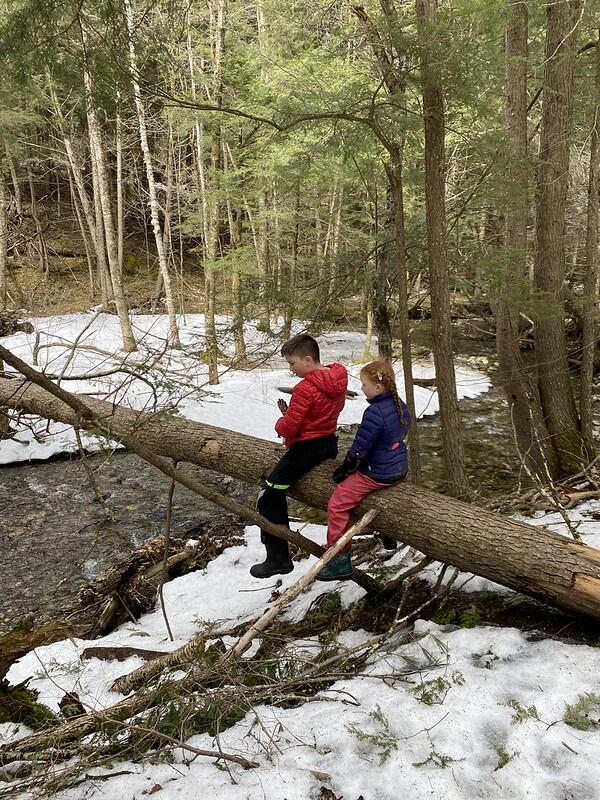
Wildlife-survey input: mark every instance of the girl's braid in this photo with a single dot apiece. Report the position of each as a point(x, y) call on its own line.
point(382, 372)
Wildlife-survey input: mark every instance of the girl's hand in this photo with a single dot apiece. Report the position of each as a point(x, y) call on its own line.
point(282, 406)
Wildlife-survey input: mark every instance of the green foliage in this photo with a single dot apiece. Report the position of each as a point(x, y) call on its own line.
point(383, 740)
point(434, 691)
point(521, 713)
point(584, 714)
point(19, 704)
point(436, 759)
point(469, 617)
point(504, 757)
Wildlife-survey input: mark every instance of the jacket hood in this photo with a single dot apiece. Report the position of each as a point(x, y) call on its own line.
point(331, 381)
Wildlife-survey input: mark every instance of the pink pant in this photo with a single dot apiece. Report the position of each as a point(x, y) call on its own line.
point(346, 496)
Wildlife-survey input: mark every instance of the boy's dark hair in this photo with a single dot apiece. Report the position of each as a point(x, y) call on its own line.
point(301, 345)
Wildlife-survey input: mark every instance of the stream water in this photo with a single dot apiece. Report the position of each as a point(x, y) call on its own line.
point(55, 535)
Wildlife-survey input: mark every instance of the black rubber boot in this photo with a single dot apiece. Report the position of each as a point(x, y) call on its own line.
point(277, 562)
point(387, 541)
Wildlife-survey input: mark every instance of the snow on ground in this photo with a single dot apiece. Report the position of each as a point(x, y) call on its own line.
point(486, 722)
point(244, 401)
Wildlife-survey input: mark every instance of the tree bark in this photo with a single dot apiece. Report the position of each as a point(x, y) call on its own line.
point(154, 206)
point(394, 171)
point(102, 194)
point(234, 218)
point(435, 187)
point(3, 237)
point(522, 395)
point(15, 182)
point(530, 560)
point(556, 391)
point(263, 255)
point(393, 65)
point(590, 301)
point(383, 259)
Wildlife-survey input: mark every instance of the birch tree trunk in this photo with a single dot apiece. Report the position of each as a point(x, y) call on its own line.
point(154, 206)
point(218, 12)
point(590, 299)
point(443, 355)
point(102, 196)
point(95, 228)
point(556, 391)
point(119, 182)
point(106, 285)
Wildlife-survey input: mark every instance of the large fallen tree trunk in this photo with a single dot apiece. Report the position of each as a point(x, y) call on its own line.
point(530, 560)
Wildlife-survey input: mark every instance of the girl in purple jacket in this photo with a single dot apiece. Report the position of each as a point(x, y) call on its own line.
point(376, 459)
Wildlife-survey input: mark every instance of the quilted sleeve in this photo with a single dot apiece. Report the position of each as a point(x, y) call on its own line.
point(292, 421)
point(371, 425)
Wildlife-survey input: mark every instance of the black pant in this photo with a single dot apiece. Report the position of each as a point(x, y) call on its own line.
point(297, 461)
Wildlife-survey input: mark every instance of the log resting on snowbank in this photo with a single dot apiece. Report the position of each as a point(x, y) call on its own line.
point(530, 560)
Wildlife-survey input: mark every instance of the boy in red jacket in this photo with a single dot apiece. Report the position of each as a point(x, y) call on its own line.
point(308, 427)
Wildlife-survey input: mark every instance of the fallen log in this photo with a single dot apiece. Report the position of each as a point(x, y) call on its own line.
point(530, 560)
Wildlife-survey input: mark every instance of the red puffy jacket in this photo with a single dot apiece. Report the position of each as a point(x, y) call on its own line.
point(316, 404)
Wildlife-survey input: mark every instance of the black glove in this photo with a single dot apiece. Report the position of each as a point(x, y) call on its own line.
point(346, 468)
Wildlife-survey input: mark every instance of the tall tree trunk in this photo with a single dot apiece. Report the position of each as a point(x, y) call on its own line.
point(84, 236)
point(102, 194)
point(556, 391)
point(370, 318)
point(290, 271)
point(394, 172)
point(119, 181)
point(15, 182)
point(382, 270)
point(393, 64)
point(590, 300)
point(39, 231)
point(264, 267)
point(154, 206)
point(210, 233)
point(104, 276)
point(234, 218)
point(3, 242)
point(524, 407)
point(334, 244)
point(95, 228)
point(218, 12)
point(434, 122)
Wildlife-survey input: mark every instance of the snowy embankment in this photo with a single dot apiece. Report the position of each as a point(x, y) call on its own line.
point(490, 720)
point(86, 347)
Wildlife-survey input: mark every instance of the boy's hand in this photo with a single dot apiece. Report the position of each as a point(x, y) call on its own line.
point(282, 406)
